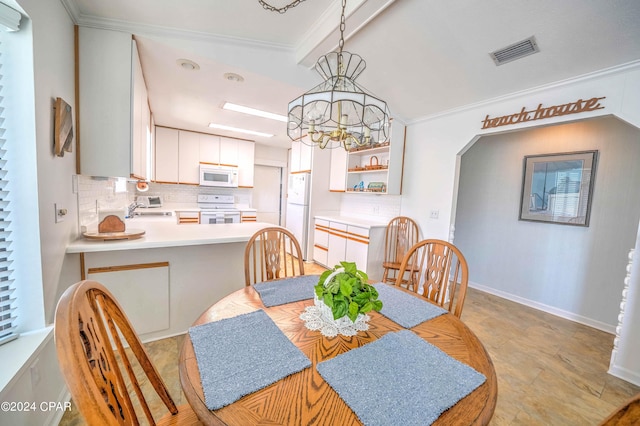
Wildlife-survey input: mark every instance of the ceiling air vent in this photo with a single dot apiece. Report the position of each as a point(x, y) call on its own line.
point(515, 51)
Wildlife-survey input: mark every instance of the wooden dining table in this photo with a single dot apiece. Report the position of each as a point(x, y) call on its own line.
point(304, 398)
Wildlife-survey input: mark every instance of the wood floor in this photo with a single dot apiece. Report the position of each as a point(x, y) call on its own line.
point(551, 371)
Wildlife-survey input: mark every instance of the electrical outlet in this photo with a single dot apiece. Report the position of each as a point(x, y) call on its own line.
point(35, 373)
point(434, 214)
point(60, 212)
point(376, 209)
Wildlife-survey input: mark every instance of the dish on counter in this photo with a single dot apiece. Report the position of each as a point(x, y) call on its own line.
point(131, 234)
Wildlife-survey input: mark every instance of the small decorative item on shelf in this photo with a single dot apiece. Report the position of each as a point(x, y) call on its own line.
point(374, 165)
point(342, 300)
point(377, 187)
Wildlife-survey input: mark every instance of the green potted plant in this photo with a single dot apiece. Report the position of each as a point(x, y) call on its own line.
point(346, 292)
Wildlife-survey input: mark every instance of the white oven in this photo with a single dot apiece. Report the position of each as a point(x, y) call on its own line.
point(217, 209)
point(224, 176)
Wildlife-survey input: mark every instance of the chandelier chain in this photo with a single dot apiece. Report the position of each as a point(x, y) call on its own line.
point(342, 27)
point(281, 9)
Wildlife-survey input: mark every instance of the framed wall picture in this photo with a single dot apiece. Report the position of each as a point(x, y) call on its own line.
point(557, 188)
point(62, 127)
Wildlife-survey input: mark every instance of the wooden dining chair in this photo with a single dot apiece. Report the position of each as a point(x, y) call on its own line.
point(438, 271)
point(625, 415)
point(401, 234)
point(272, 253)
point(89, 323)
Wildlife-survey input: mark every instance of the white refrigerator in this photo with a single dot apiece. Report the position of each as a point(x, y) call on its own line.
point(298, 208)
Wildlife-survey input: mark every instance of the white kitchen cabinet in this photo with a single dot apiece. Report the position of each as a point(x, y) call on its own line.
point(166, 155)
point(337, 179)
point(209, 149)
point(337, 247)
point(378, 169)
point(188, 217)
point(179, 153)
point(189, 157)
point(358, 246)
point(142, 290)
point(141, 132)
point(105, 102)
point(301, 157)
point(228, 151)
point(249, 215)
point(321, 242)
point(246, 162)
point(337, 240)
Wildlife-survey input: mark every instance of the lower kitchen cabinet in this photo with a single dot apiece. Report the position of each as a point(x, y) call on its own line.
point(337, 240)
point(141, 289)
point(248, 216)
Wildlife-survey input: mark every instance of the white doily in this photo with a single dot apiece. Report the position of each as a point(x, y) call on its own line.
point(320, 317)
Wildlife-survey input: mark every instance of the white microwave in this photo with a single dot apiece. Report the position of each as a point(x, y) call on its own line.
point(225, 176)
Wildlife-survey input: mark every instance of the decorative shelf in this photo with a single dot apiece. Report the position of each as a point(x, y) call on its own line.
point(368, 151)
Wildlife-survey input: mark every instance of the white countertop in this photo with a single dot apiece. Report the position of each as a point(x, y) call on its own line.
point(165, 232)
point(355, 221)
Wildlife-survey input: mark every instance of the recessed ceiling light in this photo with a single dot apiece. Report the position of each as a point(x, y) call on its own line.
point(236, 129)
point(253, 111)
point(231, 76)
point(188, 65)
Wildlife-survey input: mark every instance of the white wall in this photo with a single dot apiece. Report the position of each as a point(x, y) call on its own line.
point(434, 146)
point(577, 270)
point(53, 40)
point(45, 73)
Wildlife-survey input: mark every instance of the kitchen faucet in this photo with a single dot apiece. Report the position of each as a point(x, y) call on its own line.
point(132, 207)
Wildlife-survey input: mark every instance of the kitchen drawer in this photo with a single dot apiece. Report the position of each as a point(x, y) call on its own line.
point(321, 235)
point(337, 226)
point(320, 255)
point(358, 232)
point(185, 217)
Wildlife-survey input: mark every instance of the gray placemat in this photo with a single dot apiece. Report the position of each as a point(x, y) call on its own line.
point(399, 379)
point(243, 354)
point(288, 290)
point(405, 309)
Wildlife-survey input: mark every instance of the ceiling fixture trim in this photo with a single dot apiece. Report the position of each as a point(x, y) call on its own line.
point(515, 51)
point(188, 65)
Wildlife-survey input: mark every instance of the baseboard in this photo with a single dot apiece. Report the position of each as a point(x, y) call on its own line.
point(624, 374)
point(65, 397)
point(608, 328)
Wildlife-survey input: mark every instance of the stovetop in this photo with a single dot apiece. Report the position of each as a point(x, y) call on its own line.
point(216, 202)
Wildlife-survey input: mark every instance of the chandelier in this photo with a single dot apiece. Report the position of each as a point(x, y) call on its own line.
point(338, 112)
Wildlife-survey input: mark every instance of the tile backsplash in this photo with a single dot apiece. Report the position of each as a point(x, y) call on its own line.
point(98, 193)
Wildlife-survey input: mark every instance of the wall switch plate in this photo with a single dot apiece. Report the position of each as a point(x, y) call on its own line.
point(60, 212)
point(434, 214)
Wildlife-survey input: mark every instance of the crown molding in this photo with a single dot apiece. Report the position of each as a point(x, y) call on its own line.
point(92, 21)
point(573, 80)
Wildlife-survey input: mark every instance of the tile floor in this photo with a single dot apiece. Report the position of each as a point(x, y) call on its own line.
point(551, 371)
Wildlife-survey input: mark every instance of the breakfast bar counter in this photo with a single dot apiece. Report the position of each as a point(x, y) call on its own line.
point(165, 232)
point(165, 279)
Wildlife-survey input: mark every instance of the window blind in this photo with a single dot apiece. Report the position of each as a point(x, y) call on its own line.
point(8, 315)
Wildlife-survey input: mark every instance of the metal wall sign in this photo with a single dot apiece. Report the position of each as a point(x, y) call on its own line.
point(542, 112)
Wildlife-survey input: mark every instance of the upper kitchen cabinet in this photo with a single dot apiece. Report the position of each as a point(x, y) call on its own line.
point(141, 122)
point(377, 168)
point(179, 153)
point(209, 149)
point(189, 157)
point(301, 157)
point(166, 155)
point(228, 152)
point(246, 153)
point(114, 123)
